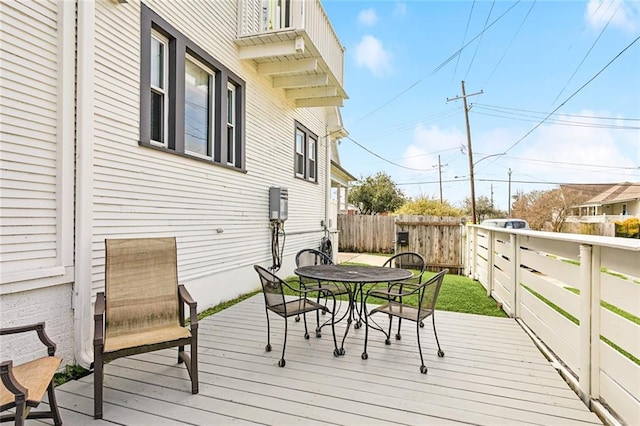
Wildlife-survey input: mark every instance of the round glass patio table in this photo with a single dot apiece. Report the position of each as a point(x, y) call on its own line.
point(354, 277)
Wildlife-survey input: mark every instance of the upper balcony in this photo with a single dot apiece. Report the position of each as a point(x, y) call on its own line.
point(293, 42)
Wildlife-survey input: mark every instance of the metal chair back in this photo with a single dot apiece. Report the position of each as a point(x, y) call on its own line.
point(428, 295)
point(273, 291)
point(408, 260)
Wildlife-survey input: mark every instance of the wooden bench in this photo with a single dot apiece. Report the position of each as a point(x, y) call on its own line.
point(23, 386)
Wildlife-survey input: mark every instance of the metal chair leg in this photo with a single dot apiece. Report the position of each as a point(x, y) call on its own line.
point(268, 347)
point(53, 406)
point(398, 336)
point(282, 362)
point(435, 333)
point(423, 368)
point(98, 378)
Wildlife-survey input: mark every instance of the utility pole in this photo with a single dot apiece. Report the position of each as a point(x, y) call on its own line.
point(509, 214)
point(471, 179)
point(491, 195)
point(440, 177)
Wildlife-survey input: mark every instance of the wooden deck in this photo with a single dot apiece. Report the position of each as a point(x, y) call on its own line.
point(492, 374)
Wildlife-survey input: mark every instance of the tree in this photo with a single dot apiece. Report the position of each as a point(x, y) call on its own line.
point(376, 194)
point(429, 207)
point(547, 209)
point(484, 208)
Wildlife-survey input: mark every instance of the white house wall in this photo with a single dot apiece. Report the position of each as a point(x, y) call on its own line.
point(143, 192)
point(36, 190)
point(218, 215)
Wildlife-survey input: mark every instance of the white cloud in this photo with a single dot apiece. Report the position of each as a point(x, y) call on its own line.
point(582, 154)
point(552, 153)
point(367, 17)
point(626, 14)
point(370, 53)
point(400, 9)
point(423, 153)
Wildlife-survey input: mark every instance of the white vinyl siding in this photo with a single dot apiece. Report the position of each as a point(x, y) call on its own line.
point(148, 192)
point(32, 157)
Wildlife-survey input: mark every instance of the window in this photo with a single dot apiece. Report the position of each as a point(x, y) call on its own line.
point(231, 124)
point(158, 86)
point(311, 150)
point(306, 151)
point(190, 104)
point(198, 98)
point(299, 153)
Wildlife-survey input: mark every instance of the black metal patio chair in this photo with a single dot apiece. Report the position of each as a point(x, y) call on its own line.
point(310, 257)
point(273, 288)
point(427, 295)
point(406, 260)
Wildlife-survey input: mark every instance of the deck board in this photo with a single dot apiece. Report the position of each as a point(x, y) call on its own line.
point(492, 373)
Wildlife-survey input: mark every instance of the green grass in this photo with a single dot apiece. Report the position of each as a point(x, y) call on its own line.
point(71, 372)
point(457, 294)
point(225, 305)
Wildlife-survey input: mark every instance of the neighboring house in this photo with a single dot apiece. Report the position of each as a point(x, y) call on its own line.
point(615, 202)
point(154, 118)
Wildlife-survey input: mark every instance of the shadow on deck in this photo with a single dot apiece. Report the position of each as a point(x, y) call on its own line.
point(492, 374)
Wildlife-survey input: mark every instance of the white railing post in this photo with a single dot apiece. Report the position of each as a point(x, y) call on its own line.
point(474, 247)
point(515, 278)
point(297, 14)
point(595, 322)
point(586, 269)
point(490, 262)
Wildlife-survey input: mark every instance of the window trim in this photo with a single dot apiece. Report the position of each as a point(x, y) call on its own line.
point(308, 136)
point(179, 47)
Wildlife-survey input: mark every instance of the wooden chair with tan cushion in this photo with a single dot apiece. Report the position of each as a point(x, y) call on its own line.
point(142, 307)
point(23, 386)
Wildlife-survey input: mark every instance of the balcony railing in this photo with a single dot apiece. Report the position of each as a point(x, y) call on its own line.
point(294, 42)
point(580, 298)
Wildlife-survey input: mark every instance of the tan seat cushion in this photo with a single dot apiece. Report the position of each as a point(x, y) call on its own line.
point(35, 376)
point(148, 337)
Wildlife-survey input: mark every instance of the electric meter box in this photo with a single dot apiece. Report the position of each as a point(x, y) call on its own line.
point(278, 203)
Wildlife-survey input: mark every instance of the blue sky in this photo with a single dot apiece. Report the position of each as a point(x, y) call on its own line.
point(528, 58)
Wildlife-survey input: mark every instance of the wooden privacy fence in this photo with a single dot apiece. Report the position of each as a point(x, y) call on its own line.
point(438, 239)
point(366, 233)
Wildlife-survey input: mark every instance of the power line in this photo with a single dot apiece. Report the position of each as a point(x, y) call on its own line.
point(475, 52)
point(574, 164)
point(439, 67)
point(511, 42)
point(506, 181)
point(506, 109)
point(573, 94)
point(584, 58)
point(466, 29)
point(384, 159)
point(562, 122)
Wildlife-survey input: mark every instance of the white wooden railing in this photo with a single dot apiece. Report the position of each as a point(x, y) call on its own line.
point(564, 289)
point(270, 17)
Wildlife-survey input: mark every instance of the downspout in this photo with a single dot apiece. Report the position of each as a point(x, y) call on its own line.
point(327, 188)
point(84, 184)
